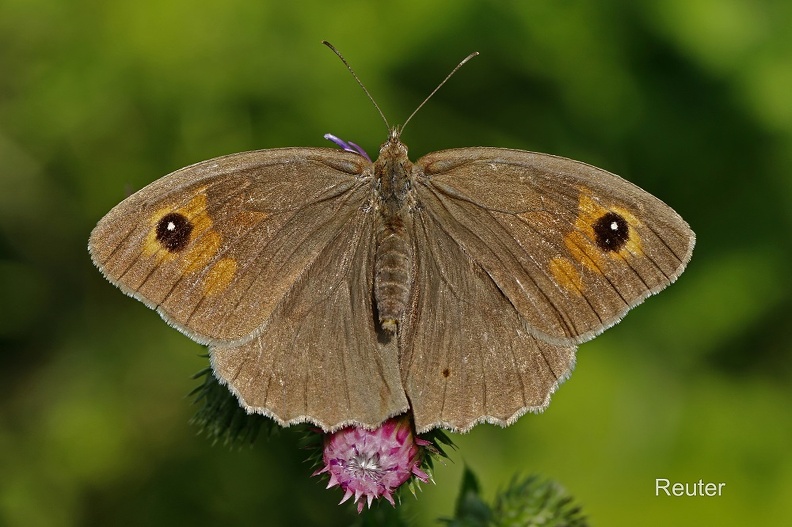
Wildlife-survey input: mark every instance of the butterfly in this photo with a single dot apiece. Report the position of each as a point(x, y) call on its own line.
point(337, 290)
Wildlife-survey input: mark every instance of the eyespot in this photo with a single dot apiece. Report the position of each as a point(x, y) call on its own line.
point(611, 231)
point(173, 231)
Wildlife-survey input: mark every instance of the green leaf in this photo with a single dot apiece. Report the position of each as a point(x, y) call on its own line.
point(471, 510)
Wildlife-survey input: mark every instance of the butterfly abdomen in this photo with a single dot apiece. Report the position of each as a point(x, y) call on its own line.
point(392, 273)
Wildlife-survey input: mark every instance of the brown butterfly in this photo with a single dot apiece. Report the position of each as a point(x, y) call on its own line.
point(338, 291)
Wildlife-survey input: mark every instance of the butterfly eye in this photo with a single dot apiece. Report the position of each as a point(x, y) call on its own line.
point(173, 231)
point(612, 231)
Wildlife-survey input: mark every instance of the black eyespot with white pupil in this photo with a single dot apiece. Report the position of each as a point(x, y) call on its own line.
point(173, 231)
point(611, 232)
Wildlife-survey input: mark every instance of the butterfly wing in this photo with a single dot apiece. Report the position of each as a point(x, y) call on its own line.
point(260, 255)
point(244, 228)
point(572, 247)
point(318, 358)
point(522, 256)
point(467, 356)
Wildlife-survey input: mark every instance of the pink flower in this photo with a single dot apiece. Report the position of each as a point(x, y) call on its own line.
point(373, 463)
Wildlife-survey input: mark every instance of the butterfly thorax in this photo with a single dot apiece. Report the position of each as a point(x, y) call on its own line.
point(393, 259)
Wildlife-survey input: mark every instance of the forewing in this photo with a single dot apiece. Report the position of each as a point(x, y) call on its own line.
point(217, 246)
point(467, 356)
point(318, 359)
point(534, 224)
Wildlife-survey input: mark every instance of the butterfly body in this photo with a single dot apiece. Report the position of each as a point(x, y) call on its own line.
point(394, 256)
point(338, 291)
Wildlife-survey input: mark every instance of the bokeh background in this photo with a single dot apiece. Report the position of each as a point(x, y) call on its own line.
point(690, 99)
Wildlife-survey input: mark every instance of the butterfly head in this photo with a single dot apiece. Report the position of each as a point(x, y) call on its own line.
point(393, 148)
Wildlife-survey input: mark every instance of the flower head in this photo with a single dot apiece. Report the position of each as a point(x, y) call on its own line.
point(370, 464)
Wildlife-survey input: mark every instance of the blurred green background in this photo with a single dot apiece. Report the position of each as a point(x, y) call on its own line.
point(690, 99)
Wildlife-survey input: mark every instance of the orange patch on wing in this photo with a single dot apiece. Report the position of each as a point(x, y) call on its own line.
point(202, 251)
point(566, 275)
point(581, 241)
point(583, 250)
point(203, 244)
point(219, 276)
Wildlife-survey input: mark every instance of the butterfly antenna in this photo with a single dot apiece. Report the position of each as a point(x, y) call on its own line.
point(340, 56)
point(474, 54)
